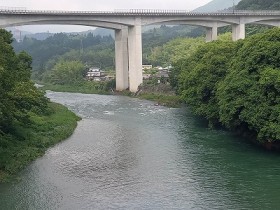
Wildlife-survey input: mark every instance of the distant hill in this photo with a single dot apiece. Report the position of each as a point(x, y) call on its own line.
point(19, 35)
point(97, 32)
point(216, 5)
point(259, 5)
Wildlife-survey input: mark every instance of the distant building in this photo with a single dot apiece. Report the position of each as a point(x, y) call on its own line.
point(95, 74)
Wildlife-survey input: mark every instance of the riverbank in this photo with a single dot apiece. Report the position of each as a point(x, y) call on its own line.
point(31, 140)
point(83, 87)
point(161, 95)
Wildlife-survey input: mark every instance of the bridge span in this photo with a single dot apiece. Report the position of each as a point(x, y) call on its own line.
point(127, 25)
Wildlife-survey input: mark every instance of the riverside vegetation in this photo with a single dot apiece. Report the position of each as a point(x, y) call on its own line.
point(236, 85)
point(29, 123)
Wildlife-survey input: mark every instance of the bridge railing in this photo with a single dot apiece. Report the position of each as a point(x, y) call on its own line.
point(268, 12)
point(151, 11)
point(12, 8)
point(22, 10)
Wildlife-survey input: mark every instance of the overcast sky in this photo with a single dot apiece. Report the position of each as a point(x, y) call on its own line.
point(91, 5)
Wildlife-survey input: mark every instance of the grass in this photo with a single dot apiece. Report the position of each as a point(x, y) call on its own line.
point(32, 140)
point(161, 99)
point(86, 87)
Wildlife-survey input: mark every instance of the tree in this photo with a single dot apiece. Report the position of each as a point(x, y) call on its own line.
point(66, 72)
point(249, 96)
point(201, 74)
point(18, 94)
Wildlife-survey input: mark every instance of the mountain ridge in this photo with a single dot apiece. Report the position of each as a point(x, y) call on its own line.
point(217, 5)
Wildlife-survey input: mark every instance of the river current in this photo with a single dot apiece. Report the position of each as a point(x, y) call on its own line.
point(130, 154)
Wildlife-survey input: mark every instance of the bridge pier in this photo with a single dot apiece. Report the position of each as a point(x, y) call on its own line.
point(211, 33)
point(135, 55)
point(121, 58)
point(238, 32)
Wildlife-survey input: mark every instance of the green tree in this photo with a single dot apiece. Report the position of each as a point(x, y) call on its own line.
point(18, 94)
point(66, 72)
point(201, 74)
point(175, 50)
point(249, 97)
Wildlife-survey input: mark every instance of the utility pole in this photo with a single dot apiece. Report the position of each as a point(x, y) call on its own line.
point(81, 47)
point(233, 6)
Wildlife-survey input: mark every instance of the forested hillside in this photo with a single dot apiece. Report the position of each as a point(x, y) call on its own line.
point(259, 5)
point(47, 52)
point(216, 5)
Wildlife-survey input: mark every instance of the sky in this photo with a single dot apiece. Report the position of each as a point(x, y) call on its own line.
point(95, 5)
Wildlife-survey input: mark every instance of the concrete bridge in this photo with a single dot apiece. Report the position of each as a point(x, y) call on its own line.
point(128, 29)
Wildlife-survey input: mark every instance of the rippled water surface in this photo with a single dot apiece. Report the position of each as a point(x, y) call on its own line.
point(130, 154)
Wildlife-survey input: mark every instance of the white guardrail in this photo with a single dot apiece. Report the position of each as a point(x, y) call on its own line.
point(23, 10)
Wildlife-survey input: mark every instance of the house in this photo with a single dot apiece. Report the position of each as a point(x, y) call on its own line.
point(95, 74)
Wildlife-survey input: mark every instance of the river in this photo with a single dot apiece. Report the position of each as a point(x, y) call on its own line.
point(130, 154)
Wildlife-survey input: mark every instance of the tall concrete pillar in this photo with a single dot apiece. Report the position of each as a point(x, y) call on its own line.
point(211, 33)
point(238, 32)
point(121, 58)
point(135, 55)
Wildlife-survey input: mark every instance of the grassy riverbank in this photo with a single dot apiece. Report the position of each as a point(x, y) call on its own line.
point(32, 139)
point(159, 93)
point(87, 87)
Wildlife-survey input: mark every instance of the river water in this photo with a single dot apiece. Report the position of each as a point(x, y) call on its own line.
point(130, 154)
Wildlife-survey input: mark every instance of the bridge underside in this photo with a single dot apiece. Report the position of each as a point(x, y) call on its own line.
point(128, 33)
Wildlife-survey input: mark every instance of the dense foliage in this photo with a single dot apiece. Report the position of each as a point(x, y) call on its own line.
point(250, 94)
point(157, 37)
point(66, 72)
point(236, 84)
point(174, 50)
point(179, 52)
point(259, 5)
point(18, 94)
point(29, 123)
point(203, 72)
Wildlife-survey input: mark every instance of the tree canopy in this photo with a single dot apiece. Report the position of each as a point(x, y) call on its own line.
point(18, 94)
point(236, 84)
point(259, 5)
